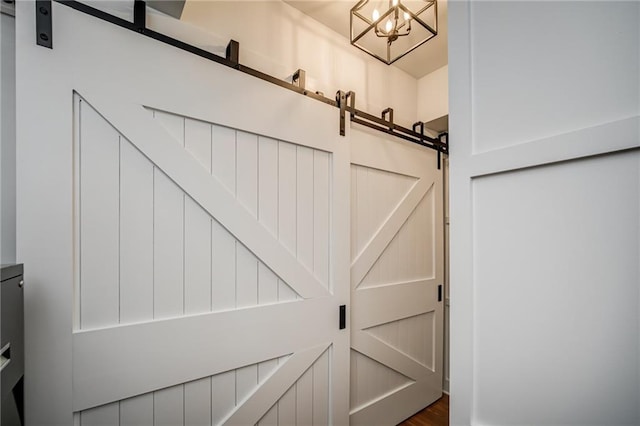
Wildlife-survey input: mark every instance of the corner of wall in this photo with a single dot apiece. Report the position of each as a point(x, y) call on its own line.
point(433, 95)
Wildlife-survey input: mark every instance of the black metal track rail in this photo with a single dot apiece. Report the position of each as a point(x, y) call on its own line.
point(232, 61)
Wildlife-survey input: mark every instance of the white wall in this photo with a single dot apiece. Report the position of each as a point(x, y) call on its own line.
point(433, 95)
point(8, 140)
point(545, 207)
point(278, 39)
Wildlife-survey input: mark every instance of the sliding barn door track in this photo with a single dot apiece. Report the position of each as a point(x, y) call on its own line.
point(345, 101)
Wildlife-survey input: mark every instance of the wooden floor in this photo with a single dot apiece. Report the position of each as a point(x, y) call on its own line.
point(437, 414)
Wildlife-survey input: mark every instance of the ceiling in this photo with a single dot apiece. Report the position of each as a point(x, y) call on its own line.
point(425, 59)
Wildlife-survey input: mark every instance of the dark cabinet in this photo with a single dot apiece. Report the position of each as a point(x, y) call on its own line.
point(11, 346)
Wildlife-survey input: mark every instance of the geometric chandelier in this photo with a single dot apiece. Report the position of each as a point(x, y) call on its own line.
point(389, 29)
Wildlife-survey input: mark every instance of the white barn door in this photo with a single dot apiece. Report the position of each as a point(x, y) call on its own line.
point(185, 230)
point(397, 266)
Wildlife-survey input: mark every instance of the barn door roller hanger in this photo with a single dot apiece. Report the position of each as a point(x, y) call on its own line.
point(345, 101)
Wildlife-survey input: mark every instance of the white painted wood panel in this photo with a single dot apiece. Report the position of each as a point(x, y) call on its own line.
point(101, 416)
point(223, 156)
point(304, 398)
point(287, 407)
point(551, 162)
point(287, 203)
point(246, 382)
point(321, 215)
point(223, 396)
point(172, 123)
point(169, 337)
point(304, 206)
point(136, 235)
point(99, 235)
point(168, 222)
point(268, 184)
point(271, 418)
point(197, 402)
point(246, 278)
point(99, 220)
point(247, 171)
point(321, 375)
point(184, 200)
point(136, 260)
point(287, 190)
point(578, 287)
point(197, 139)
point(168, 406)
point(223, 293)
point(137, 411)
point(396, 361)
point(197, 259)
point(267, 286)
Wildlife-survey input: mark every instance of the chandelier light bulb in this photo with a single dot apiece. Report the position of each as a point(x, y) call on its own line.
point(407, 16)
point(394, 2)
point(375, 15)
point(388, 26)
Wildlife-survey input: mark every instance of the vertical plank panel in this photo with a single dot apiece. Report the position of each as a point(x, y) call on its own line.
point(304, 398)
point(105, 415)
point(223, 395)
point(287, 407)
point(364, 209)
point(223, 281)
point(413, 229)
point(169, 406)
point(287, 173)
point(354, 384)
point(404, 335)
point(265, 369)
point(99, 221)
point(168, 247)
point(321, 211)
point(246, 382)
point(136, 260)
point(197, 258)
point(197, 140)
point(223, 156)
point(137, 411)
point(376, 197)
point(429, 244)
point(321, 390)
point(136, 235)
point(247, 171)
point(197, 402)
point(354, 211)
point(304, 206)
point(268, 184)
point(246, 277)
point(172, 123)
point(270, 418)
point(403, 252)
point(267, 285)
